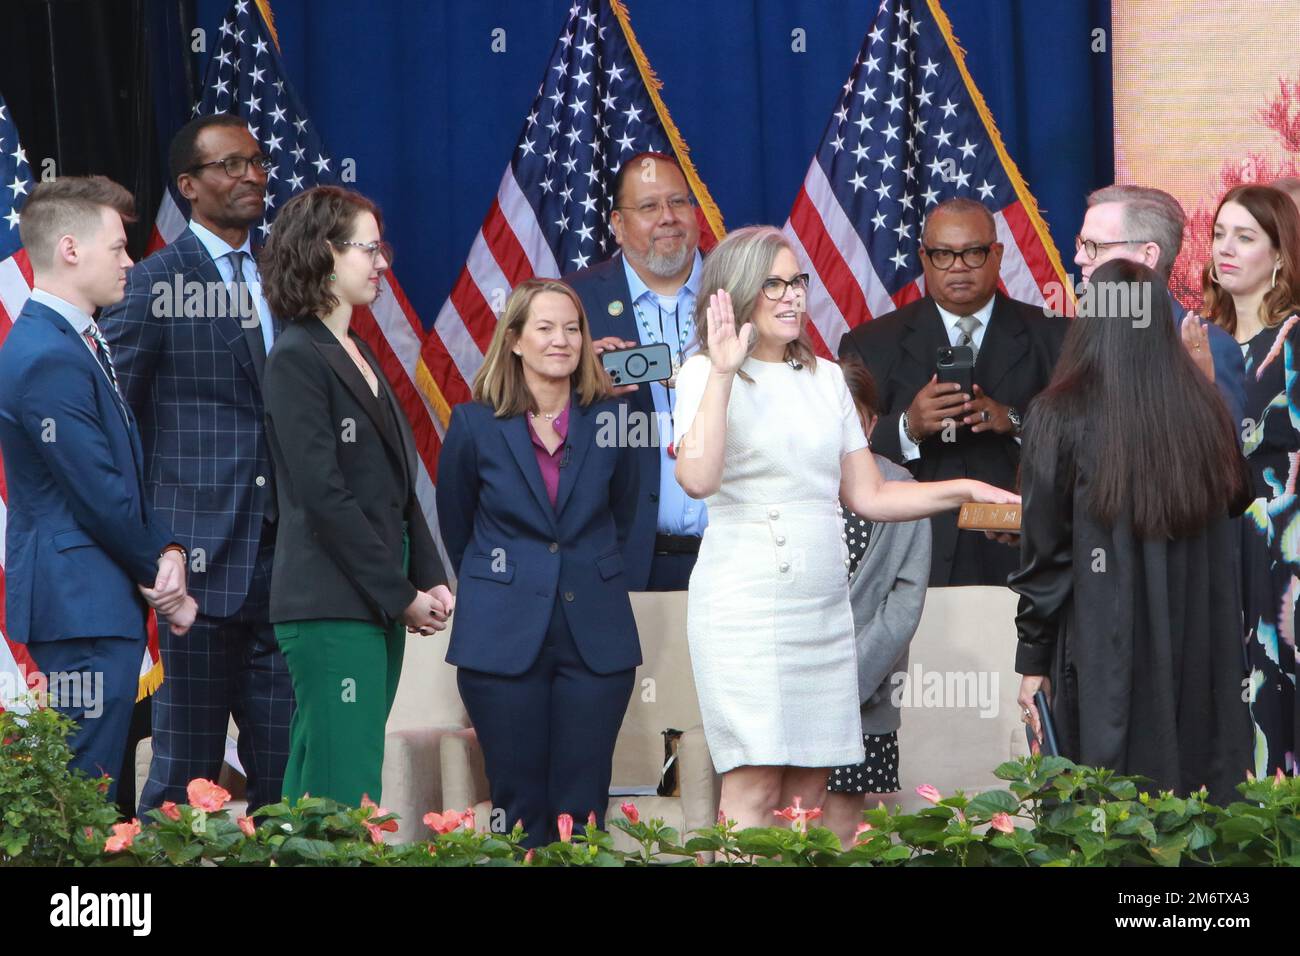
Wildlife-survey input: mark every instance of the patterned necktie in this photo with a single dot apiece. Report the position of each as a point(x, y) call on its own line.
point(968, 324)
point(239, 291)
point(102, 354)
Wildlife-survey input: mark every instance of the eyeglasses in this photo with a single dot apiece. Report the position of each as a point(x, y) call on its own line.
point(375, 249)
point(774, 286)
point(651, 208)
point(972, 256)
point(1090, 247)
point(236, 166)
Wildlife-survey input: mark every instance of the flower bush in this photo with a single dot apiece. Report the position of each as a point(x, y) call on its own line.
point(1051, 813)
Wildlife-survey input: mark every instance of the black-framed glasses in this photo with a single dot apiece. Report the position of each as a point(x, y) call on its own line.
point(236, 166)
point(774, 286)
point(652, 207)
point(1092, 248)
point(972, 256)
point(374, 249)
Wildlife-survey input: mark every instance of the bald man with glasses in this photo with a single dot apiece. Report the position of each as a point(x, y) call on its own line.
point(932, 427)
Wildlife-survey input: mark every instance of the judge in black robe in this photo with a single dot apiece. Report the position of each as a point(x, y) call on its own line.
point(1141, 634)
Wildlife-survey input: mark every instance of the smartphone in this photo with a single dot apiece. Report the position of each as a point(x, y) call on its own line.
point(1049, 747)
point(644, 363)
point(956, 363)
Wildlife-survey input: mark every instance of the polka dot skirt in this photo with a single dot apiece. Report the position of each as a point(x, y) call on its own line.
point(856, 534)
point(877, 774)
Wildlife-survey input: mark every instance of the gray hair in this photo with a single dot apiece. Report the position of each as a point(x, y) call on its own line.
point(739, 264)
point(957, 206)
point(1149, 214)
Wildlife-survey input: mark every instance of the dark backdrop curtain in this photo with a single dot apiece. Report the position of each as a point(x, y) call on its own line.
point(414, 93)
point(75, 74)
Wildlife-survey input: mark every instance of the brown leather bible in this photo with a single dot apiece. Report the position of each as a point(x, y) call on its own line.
point(984, 517)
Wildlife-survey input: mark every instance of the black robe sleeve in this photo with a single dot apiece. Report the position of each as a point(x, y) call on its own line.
point(1045, 579)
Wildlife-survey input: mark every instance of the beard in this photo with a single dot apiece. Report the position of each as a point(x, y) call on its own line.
point(665, 266)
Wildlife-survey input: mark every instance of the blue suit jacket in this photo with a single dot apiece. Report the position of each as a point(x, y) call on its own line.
point(80, 532)
point(1229, 366)
point(516, 555)
point(192, 382)
point(598, 287)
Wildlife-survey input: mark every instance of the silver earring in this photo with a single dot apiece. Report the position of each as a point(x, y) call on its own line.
point(1214, 276)
point(1276, 265)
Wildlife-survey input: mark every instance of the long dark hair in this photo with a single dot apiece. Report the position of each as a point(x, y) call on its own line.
point(1163, 445)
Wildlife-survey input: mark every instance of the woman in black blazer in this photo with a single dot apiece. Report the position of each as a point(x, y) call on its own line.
point(355, 564)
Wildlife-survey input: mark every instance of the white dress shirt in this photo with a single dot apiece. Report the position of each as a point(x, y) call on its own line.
point(983, 313)
point(220, 251)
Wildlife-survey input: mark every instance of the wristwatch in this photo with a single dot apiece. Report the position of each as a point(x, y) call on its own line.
point(908, 432)
point(1014, 417)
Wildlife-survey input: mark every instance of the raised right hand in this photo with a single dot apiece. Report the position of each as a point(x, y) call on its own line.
point(936, 403)
point(727, 347)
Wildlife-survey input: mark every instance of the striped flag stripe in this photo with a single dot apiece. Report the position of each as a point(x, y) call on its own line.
point(1035, 271)
point(505, 247)
point(820, 304)
point(523, 223)
point(15, 287)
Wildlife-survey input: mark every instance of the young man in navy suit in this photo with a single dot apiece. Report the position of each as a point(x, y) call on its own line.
point(644, 295)
point(195, 381)
point(84, 550)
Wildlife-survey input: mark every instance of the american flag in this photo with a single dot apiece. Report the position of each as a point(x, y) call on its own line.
point(597, 105)
point(15, 287)
point(246, 76)
point(909, 131)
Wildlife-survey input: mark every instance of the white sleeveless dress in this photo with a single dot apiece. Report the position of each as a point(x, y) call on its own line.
point(769, 624)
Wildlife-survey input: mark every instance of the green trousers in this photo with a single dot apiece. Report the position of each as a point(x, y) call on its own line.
point(345, 676)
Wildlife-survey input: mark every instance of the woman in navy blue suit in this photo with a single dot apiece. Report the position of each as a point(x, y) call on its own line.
point(535, 497)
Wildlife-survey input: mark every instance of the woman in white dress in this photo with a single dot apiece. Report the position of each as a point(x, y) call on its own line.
point(769, 437)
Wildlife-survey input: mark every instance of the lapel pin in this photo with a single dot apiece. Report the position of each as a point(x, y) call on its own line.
point(616, 307)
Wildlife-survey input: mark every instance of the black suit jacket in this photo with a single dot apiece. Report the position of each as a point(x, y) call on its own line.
point(1015, 363)
point(600, 287)
point(345, 471)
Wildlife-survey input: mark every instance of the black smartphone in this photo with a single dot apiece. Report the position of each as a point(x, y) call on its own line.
point(644, 363)
point(1049, 747)
point(956, 363)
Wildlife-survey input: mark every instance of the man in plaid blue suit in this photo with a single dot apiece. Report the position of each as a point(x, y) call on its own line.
point(189, 342)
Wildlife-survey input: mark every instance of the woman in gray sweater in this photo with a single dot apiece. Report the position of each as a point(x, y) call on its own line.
point(889, 567)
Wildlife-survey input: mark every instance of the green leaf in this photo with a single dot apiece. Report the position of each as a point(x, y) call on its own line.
point(1240, 829)
point(992, 802)
point(311, 850)
point(1168, 850)
point(1200, 836)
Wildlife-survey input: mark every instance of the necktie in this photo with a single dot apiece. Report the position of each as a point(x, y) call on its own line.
point(968, 324)
point(245, 308)
point(99, 346)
